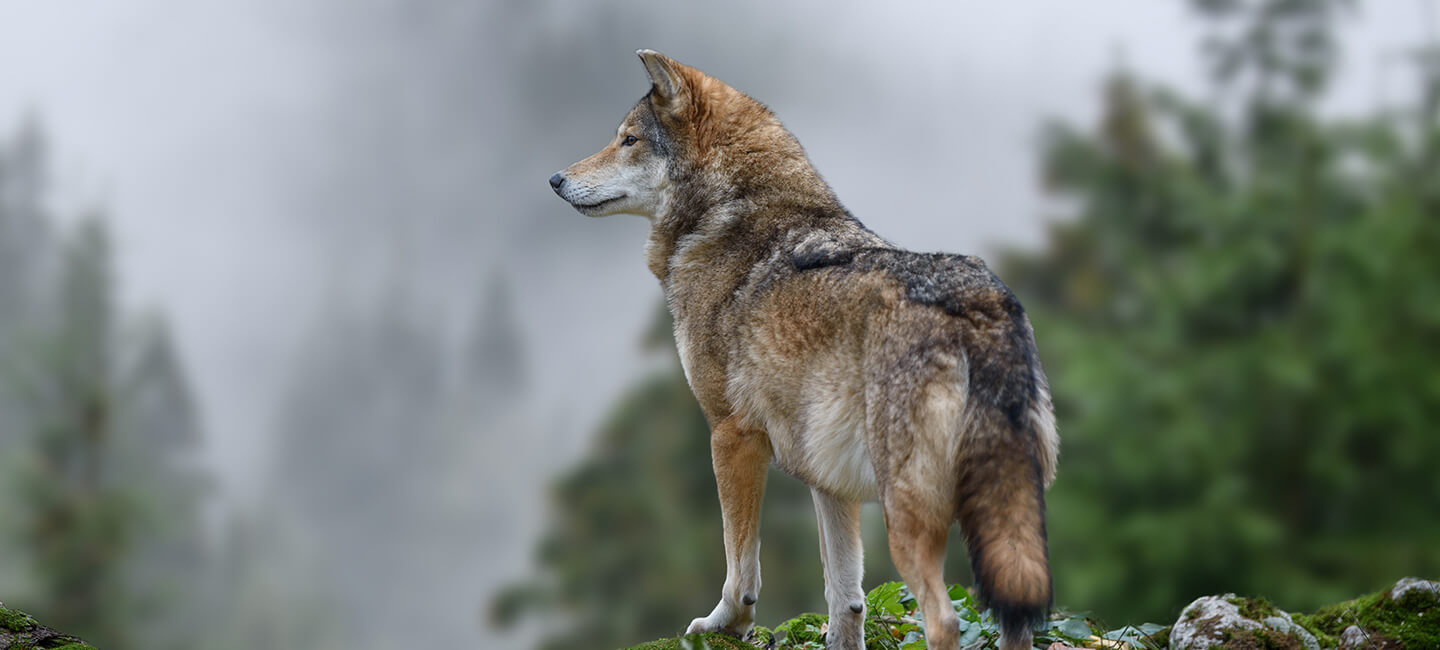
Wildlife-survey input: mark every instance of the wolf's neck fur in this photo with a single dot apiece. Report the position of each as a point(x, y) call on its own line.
point(736, 204)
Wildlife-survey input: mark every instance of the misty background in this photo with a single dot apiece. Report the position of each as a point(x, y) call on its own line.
point(331, 250)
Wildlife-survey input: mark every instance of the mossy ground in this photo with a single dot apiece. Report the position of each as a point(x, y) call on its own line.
point(1413, 621)
point(15, 621)
point(697, 642)
point(1255, 609)
point(20, 631)
point(1261, 640)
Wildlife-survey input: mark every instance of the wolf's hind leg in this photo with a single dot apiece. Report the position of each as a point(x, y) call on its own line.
point(740, 455)
point(917, 546)
point(843, 554)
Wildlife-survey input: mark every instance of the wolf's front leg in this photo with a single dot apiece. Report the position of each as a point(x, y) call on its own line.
point(740, 455)
point(843, 554)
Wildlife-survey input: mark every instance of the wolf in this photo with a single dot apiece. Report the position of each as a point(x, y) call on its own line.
point(869, 372)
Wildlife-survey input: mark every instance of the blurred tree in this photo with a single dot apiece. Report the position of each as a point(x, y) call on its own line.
point(263, 589)
point(99, 433)
point(385, 439)
point(495, 364)
point(26, 253)
point(1238, 326)
point(25, 256)
point(156, 459)
point(360, 438)
point(77, 520)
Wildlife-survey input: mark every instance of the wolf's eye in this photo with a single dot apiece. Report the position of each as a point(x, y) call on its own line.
point(629, 140)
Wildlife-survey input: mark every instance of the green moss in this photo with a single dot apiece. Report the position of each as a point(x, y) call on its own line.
point(29, 635)
point(15, 621)
point(714, 640)
point(1261, 639)
point(1413, 621)
point(1255, 609)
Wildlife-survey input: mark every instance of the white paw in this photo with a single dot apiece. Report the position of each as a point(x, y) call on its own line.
point(724, 620)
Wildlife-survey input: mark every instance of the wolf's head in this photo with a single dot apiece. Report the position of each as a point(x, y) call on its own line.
point(691, 139)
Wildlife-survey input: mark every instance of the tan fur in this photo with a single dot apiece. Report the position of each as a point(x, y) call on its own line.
point(740, 455)
point(866, 371)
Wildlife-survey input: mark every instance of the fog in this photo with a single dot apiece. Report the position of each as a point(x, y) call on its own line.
point(268, 168)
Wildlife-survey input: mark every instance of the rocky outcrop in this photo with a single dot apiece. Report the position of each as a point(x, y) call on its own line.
point(19, 630)
point(1404, 617)
point(1230, 621)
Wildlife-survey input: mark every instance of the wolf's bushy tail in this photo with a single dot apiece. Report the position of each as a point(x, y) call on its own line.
point(1001, 508)
point(1007, 459)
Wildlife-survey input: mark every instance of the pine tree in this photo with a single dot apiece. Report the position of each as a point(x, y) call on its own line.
point(1235, 323)
point(156, 459)
point(25, 259)
point(77, 522)
point(495, 365)
point(366, 451)
point(100, 434)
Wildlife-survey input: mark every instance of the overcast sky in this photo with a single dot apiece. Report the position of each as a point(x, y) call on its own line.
point(203, 128)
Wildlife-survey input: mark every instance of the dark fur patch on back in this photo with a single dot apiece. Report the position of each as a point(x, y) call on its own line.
point(833, 246)
point(814, 257)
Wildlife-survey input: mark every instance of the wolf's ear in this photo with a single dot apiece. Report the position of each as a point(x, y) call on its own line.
point(670, 91)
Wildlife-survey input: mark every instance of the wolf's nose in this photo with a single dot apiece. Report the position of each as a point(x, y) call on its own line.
point(556, 181)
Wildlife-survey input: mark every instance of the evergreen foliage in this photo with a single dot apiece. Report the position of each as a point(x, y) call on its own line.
point(1238, 322)
point(98, 432)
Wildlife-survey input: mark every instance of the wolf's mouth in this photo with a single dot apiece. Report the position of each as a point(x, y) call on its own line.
point(592, 206)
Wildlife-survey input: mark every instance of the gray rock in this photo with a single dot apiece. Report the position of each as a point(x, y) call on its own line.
point(1285, 625)
point(1206, 622)
point(1353, 638)
point(1407, 585)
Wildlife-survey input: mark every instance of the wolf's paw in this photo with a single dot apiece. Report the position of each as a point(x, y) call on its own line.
point(724, 620)
point(845, 637)
point(705, 625)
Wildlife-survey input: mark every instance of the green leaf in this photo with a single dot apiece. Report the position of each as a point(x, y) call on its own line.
point(913, 641)
point(886, 598)
point(1151, 628)
point(970, 635)
point(1139, 636)
point(1074, 628)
